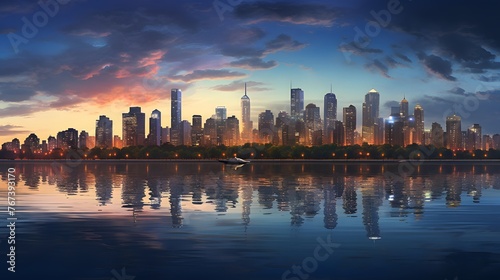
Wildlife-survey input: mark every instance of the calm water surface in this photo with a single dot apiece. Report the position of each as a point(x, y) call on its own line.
point(262, 221)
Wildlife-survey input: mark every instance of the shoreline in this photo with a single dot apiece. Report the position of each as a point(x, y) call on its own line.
point(422, 161)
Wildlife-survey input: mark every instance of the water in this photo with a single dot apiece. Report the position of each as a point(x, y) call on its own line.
point(262, 221)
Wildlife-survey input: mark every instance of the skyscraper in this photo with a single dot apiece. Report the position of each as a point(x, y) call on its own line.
point(67, 139)
point(404, 109)
point(370, 116)
point(453, 132)
point(133, 127)
point(176, 108)
point(474, 137)
point(437, 135)
point(349, 125)
point(247, 125)
point(210, 132)
point(104, 132)
point(296, 103)
point(232, 137)
point(185, 133)
point(418, 112)
point(82, 141)
point(176, 116)
point(221, 113)
point(197, 131)
point(154, 137)
point(329, 116)
point(266, 126)
point(313, 121)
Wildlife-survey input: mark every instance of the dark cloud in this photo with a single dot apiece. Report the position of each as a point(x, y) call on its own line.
point(403, 57)
point(254, 63)
point(357, 50)
point(390, 104)
point(490, 78)
point(283, 42)
point(377, 66)
point(208, 74)
point(457, 91)
point(437, 66)
point(293, 13)
point(239, 85)
point(479, 108)
point(7, 130)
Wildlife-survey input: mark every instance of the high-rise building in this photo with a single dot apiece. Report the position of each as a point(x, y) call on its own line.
point(154, 137)
point(474, 137)
point(437, 135)
point(496, 141)
point(371, 108)
point(313, 121)
point(329, 116)
point(284, 131)
point(296, 103)
point(232, 137)
point(91, 142)
point(210, 132)
point(176, 116)
point(487, 142)
point(418, 112)
point(266, 126)
point(176, 108)
point(220, 117)
point(117, 142)
point(133, 126)
point(221, 113)
point(185, 133)
point(394, 130)
point(379, 131)
point(404, 108)
point(32, 143)
point(246, 122)
point(165, 135)
point(16, 145)
point(82, 141)
point(454, 132)
point(67, 139)
point(197, 131)
point(52, 143)
point(104, 132)
point(349, 125)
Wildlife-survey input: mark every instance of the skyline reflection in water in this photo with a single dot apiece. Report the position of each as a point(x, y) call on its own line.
point(272, 206)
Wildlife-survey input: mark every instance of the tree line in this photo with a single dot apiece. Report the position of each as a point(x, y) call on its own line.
point(260, 151)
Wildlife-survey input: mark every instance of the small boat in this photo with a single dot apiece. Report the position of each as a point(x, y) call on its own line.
point(234, 160)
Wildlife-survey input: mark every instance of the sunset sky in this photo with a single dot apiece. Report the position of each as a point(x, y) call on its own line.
point(63, 66)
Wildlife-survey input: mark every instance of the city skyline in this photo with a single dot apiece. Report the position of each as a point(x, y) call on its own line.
point(410, 126)
point(87, 62)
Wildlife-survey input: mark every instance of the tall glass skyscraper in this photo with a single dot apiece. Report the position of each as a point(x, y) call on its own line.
point(155, 128)
point(453, 132)
point(418, 112)
point(246, 134)
point(134, 127)
point(176, 108)
point(349, 124)
point(370, 116)
point(330, 116)
point(176, 116)
point(296, 103)
point(104, 132)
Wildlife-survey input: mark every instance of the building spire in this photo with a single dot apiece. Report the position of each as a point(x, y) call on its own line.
point(331, 88)
point(245, 89)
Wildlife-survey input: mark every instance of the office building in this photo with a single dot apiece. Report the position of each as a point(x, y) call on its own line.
point(133, 127)
point(104, 132)
point(349, 125)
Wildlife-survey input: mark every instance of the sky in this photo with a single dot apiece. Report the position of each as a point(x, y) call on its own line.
point(63, 63)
